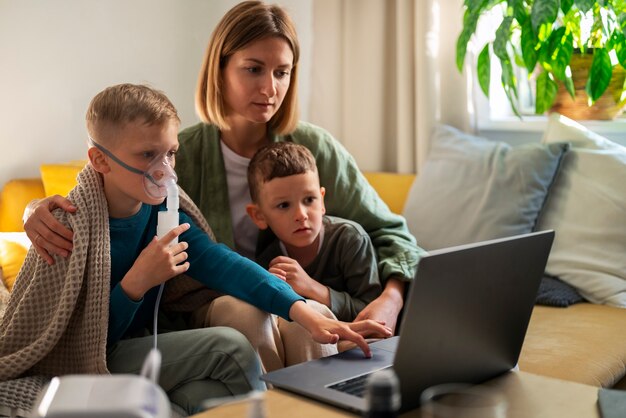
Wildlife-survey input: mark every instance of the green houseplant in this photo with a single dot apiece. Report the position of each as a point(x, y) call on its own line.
point(543, 36)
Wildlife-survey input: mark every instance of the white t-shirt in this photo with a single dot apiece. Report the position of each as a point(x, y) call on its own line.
point(245, 232)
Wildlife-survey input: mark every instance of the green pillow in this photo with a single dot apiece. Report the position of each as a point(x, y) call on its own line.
point(473, 189)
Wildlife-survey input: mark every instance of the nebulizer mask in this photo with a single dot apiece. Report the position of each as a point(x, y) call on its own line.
point(159, 181)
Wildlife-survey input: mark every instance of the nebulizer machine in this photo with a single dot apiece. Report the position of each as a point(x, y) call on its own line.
point(121, 395)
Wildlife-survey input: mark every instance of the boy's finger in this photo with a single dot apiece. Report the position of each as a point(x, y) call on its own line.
point(360, 341)
point(175, 232)
point(281, 259)
point(180, 257)
point(182, 268)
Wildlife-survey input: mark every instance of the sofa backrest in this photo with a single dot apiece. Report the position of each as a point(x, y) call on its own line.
point(60, 178)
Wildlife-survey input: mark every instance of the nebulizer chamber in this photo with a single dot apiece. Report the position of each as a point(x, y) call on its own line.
point(168, 219)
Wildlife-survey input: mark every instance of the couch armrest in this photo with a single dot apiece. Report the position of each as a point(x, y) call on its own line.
point(13, 200)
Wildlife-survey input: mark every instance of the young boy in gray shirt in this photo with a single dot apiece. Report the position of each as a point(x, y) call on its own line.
point(326, 259)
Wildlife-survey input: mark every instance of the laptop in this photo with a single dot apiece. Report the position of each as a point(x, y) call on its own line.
point(465, 320)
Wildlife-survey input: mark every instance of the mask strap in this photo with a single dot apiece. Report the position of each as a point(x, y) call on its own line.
point(122, 163)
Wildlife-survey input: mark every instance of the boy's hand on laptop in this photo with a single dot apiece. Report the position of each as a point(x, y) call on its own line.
point(386, 307)
point(157, 263)
point(291, 271)
point(330, 331)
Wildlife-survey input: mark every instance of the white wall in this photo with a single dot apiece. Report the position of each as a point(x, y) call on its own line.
point(56, 55)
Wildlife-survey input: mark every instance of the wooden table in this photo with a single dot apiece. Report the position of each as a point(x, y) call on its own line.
point(528, 396)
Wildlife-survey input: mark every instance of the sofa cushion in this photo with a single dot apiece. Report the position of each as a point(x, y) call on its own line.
point(474, 189)
point(14, 197)
point(587, 209)
point(13, 249)
point(392, 188)
point(582, 343)
point(60, 178)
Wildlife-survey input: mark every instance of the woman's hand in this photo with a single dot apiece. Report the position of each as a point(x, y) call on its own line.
point(157, 263)
point(291, 271)
point(330, 331)
point(386, 307)
point(47, 235)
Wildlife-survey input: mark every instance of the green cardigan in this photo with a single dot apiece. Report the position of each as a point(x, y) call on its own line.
point(201, 173)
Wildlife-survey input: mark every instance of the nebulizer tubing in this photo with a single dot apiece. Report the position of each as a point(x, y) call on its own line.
point(166, 221)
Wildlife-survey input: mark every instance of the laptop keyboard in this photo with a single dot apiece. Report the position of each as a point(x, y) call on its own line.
point(354, 386)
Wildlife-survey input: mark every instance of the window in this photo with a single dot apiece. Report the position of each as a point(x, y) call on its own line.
point(495, 113)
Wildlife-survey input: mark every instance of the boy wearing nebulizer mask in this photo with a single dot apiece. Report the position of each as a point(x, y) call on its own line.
point(96, 306)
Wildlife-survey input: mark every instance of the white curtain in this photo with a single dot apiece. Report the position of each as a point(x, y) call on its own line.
point(383, 74)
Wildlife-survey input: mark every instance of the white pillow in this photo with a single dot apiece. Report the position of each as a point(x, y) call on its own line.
point(474, 189)
point(587, 209)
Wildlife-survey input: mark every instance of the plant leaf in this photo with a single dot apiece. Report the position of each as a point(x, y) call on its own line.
point(622, 22)
point(546, 92)
point(509, 82)
point(529, 46)
point(560, 48)
point(599, 74)
point(571, 21)
point(566, 5)
point(542, 16)
point(470, 20)
point(475, 5)
point(584, 5)
point(569, 85)
point(483, 68)
point(619, 45)
point(519, 11)
point(503, 34)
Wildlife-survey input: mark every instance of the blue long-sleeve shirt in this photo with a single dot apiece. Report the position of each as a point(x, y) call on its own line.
point(214, 265)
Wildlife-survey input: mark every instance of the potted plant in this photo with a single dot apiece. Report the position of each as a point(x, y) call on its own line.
point(545, 37)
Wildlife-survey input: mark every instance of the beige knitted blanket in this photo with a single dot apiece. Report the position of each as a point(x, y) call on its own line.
point(57, 316)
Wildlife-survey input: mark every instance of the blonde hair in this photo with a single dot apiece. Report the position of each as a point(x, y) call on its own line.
point(118, 105)
point(277, 160)
point(245, 23)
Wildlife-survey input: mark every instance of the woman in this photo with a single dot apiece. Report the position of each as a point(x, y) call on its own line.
point(246, 98)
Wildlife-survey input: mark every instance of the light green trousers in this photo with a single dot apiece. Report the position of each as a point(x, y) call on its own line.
point(197, 364)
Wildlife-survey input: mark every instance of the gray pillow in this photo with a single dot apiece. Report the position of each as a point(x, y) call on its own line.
point(473, 189)
point(554, 292)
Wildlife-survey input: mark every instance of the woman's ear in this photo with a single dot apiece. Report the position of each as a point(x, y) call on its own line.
point(255, 213)
point(98, 160)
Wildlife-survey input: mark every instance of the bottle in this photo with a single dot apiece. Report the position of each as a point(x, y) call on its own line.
point(382, 395)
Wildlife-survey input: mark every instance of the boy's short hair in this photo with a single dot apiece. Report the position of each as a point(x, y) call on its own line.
point(118, 105)
point(245, 23)
point(276, 160)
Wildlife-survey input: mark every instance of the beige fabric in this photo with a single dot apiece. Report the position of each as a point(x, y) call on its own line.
point(278, 342)
point(56, 319)
point(583, 343)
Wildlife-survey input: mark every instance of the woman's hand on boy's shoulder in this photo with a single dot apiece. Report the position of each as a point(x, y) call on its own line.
point(47, 235)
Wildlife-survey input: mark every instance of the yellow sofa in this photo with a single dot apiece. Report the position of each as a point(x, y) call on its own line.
point(583, 343)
